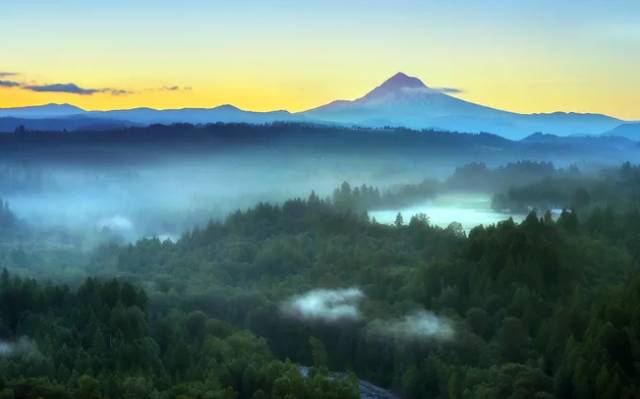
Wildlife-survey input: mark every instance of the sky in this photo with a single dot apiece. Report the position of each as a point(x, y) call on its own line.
point(523, 56)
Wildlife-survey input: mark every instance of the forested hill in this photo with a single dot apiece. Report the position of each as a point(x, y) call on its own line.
point(542, 309)
point(100, 341)
point(318, 139)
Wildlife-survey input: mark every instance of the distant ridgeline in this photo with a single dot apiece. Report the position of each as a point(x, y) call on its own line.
point(547, 308)
point(297, 138)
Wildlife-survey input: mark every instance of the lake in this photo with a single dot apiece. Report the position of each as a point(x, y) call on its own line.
point(468, 209)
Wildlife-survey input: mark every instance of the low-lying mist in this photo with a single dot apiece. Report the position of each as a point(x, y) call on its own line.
point(364, 259)
point(166, 198)
point(324, 304)
point(335, 306)
point(163, 180)
point(418, 325)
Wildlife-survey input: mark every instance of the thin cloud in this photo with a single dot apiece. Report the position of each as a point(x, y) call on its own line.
point(175, 88)
point(116, 92)
point(427, 90)
point(448, 90)
point(72, 88)
point(324, 304)
point(419, 325)
point(8, 83)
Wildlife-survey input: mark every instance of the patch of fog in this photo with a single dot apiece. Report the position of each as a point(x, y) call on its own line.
point(470, 210)
point(172, 238)
point(22, 346)
point(419, 325)
point(324, 304)
point(83, 204)
point(343, 304)
point(176, 193)
point(116, 223)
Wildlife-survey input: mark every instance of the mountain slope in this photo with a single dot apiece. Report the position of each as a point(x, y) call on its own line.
point(42, 111)
point(401, 100)
point(406, 101)
point(58, 115)
point(628, 130)
point(75, 122)
point(223, 113)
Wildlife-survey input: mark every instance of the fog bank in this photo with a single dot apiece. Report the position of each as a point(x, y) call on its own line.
point(326, 305)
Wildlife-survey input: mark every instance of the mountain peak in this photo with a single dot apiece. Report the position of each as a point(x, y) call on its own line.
point(401, 80)
point(394, 85)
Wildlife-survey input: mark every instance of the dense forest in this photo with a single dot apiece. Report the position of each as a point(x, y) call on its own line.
point(514, 185)
point(100, 340)
point(136, 145)
point(541, 309)
point(611, 187)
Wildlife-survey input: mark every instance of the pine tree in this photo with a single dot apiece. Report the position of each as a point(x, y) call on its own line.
point(399, 220)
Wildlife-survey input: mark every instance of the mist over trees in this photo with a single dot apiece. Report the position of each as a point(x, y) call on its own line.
point(99, 340)
point(540, 308)
point(301, 294)
point(613, 187)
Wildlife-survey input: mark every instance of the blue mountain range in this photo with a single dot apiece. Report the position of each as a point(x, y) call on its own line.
point(400, 101)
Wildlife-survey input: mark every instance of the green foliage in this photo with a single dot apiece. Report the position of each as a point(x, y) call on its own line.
point(544, 308)
point(99, 341)
point(612, 188)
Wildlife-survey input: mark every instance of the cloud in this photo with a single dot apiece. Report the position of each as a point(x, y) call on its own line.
point(325, 305)
point(9, 83)
point(171, 88)
point(175, 88)
point(343, 304)
point(427, 90)
point(115, 223)
point(72, 88)
point(419, 325)
point(116, 92)
point(448, 90)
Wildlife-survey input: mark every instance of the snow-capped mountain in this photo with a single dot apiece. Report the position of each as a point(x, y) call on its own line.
point(405, 101)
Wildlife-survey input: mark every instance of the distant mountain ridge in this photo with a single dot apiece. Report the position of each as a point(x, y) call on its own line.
point(628, 130)
point(400, 101)
point(42, 111)
point(223, 113)
point(73, 122)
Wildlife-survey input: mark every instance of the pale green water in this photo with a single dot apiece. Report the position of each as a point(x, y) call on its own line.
point(468, 209)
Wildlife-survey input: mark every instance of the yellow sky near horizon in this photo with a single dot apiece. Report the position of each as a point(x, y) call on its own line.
point(527, 57)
